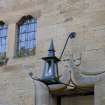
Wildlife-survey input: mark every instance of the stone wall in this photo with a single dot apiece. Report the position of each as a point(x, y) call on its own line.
point(55, 19)
point(100, 92)
point(78, 100)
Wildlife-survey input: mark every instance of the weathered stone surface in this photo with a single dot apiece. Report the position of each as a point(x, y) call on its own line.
point(55, 19)
point(79, 100)
point(100, 92)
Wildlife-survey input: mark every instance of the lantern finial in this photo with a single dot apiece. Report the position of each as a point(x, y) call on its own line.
point(51, 50)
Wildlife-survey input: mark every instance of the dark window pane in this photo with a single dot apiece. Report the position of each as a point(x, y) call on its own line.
point(32, 27)
point(22, 44)
point(32, 36)
point(3, 41)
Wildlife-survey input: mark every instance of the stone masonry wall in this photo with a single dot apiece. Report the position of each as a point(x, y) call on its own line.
point(78, 100)
point(55, 19)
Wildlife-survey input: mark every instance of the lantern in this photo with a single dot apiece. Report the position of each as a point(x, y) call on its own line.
point(50, 74)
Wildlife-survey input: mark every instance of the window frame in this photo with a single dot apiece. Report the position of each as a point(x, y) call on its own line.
point(29, 36)
point(3, 40)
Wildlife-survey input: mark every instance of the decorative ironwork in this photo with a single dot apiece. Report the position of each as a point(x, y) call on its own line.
point(50, 73)
point(71, 35)
point(26, 32)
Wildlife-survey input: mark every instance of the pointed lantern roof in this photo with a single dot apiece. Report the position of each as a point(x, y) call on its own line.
point(51, 52)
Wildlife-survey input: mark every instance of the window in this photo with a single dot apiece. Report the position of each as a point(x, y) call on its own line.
point(26, 32)
point(3, 40)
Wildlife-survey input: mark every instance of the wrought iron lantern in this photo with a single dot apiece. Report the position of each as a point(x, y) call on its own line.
point(50, 74)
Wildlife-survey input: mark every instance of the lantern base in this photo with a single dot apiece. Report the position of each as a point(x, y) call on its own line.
point(50, 81)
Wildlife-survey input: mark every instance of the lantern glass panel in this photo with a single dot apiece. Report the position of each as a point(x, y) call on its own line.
point(56, 70)
point(48, 70)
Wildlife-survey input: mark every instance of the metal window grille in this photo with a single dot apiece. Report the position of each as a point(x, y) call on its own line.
point(3, 40)
point(26, 41)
